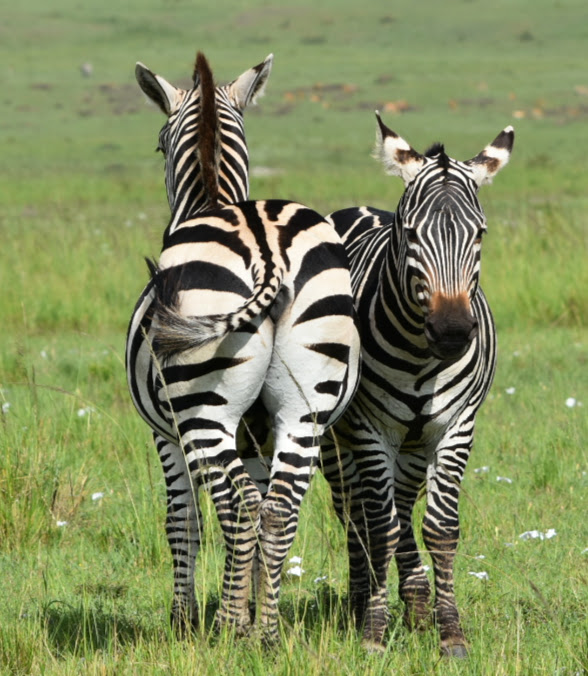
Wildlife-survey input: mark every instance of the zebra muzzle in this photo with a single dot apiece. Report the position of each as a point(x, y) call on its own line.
point(450, 334)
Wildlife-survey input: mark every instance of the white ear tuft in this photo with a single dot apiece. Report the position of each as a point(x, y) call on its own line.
point(397, 156)
point(250, 86)
point(486, 164)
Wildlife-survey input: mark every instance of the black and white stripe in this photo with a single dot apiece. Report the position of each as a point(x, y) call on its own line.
point(249, 308)
point(428, 359)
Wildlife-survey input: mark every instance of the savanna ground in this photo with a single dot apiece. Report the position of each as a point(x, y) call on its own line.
point(84, 566)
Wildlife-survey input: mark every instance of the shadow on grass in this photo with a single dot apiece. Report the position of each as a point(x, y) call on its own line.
point(82, 628)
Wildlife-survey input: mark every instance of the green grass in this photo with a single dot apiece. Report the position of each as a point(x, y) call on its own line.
point(83, 201)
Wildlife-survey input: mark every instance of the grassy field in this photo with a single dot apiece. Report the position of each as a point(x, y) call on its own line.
point(83, 558)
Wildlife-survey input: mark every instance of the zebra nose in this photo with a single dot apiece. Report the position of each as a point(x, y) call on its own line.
point(449, 336)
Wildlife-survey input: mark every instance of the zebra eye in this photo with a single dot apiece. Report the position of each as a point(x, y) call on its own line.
point(480, 234)
point(411, 235)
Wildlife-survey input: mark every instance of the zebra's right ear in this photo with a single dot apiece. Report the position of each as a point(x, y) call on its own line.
point(157, 89)
point(486, 164)
point(250, 85)
point(397, 156)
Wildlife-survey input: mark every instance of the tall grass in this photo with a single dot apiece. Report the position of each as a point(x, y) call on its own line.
point(83, 558)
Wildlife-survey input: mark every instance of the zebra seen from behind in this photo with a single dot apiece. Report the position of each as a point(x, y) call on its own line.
point(428, 360)
point(249, 305)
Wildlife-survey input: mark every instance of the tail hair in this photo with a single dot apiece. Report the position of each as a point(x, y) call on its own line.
point(176, 332)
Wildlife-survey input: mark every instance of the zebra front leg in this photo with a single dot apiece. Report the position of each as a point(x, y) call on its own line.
point(441, 536)
point(382, 539)
point(182, 527)
point(414, 588)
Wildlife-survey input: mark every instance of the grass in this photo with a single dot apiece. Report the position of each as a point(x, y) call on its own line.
point(87, 579)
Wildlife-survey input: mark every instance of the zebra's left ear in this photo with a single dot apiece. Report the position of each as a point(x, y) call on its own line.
point(249, 86)
point(397, 156)
point(490, 161)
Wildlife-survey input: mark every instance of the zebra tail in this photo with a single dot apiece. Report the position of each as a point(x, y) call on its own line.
point(176, 332)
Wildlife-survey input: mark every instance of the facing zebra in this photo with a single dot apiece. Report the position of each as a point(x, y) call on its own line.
point(249, 304)
point(428, 359)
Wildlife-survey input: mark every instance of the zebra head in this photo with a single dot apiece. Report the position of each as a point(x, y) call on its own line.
point(440, 224)
point(203, 140)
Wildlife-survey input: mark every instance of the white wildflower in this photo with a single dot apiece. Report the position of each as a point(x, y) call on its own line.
point(480, 557)
point(295, 570)
point(295, 559)
point(97, 496)
point(43, 354)
point(584, 551)
point(81, 412)
point(426, 568)
point(482, 470)
point(505, 479)
point(482, 575)
point(538, 535)
point(571, 402)
point(5, 407)
point(322, 578)
point(61, 524)
point(510, 390)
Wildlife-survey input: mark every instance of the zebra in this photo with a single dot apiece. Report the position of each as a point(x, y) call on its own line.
point(249, 308)
point(428, 360)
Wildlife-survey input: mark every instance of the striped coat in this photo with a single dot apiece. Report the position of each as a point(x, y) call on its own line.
point(428, 353)
point(249, 307)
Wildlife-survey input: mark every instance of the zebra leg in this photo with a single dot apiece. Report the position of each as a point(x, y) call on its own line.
point(236, 500)
point(383, 532)
point(296, 454)
point(441, 535)
point(182, 527)
point(338, 467)
point(414, 588)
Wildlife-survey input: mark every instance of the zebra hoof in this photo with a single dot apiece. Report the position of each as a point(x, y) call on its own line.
point(241, 626)
point(457, 650)
point(373, 647)
point(270, 640)
point(183, 625)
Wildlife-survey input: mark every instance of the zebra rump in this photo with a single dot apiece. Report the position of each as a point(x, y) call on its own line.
point(175, 332)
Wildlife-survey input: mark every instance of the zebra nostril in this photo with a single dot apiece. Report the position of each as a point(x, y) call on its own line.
point(474, 330)
point(431, 333)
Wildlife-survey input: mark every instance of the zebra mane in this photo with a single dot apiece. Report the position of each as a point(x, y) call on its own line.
point(208, 128)
point(438, 150)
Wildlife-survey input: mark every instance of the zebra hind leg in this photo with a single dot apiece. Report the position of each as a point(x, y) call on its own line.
point(291, 470)
point(338, 467)
point(237, 502)
point(182, 528)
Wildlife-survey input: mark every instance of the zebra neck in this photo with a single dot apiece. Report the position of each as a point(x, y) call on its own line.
point(194, 201)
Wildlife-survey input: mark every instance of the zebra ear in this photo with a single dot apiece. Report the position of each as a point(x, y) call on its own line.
point(249, 86)
point(490, 161)
point(397, 156)
point(157, 89)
